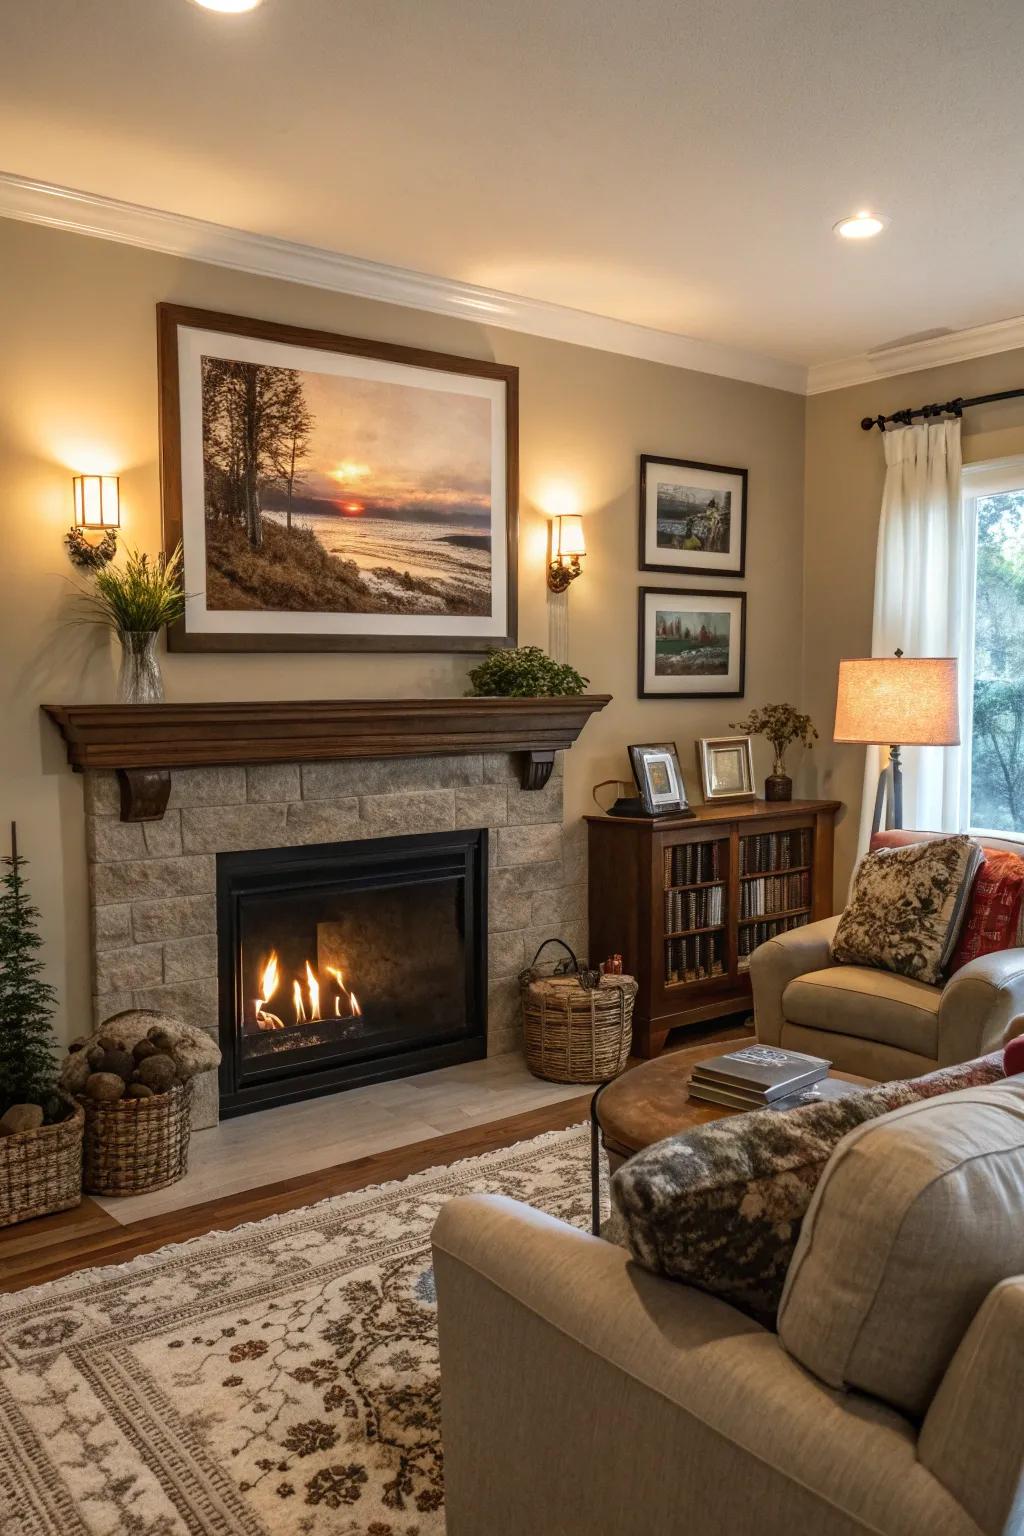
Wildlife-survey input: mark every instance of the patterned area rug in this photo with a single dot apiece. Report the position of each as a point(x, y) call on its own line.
point(281, 1378)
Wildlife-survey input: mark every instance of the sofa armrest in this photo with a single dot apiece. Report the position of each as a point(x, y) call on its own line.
point(776, 963)
point(581, 1393)
point(973, 1435)
point(982, 1006)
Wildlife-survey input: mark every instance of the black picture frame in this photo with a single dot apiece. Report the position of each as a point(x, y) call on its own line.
point(701, 602)
point(639, 758)
point(712, 565)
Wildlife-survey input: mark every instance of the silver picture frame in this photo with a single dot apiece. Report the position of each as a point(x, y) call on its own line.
point(659, 778)
point(726, 767)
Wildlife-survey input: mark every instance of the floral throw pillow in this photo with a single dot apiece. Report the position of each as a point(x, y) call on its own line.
point(907, 907)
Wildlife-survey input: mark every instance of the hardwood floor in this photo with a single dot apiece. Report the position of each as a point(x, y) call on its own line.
point(34, 1252)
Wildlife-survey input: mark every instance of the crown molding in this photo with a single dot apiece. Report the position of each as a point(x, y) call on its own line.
point(175, 234)
point(888, 362)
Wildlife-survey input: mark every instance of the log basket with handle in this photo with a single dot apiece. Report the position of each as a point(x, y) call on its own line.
point(577, 1024)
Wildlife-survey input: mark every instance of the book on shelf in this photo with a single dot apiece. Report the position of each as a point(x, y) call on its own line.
point(757, 1074)
point(696, 863)
point(701, 908)
point(751, 935)
point(766, 894)
point(766, 852)
point(696, 958)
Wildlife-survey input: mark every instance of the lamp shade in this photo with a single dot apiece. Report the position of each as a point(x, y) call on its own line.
point(898, 701)
point(568, 536)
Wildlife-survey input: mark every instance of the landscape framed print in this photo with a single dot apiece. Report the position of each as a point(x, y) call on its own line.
point(335, 494)
point(691, 644)
point(693, 517)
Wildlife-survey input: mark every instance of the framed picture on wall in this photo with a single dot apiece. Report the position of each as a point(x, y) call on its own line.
point(335, 494)
point(693, 517)
point(691, 644)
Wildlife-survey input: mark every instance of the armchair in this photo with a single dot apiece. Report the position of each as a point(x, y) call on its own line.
point(872, 1022)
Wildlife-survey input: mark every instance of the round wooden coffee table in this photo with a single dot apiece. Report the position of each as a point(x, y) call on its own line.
point(652, 1101)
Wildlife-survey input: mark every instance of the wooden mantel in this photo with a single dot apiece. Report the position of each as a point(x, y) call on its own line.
point(143, 742)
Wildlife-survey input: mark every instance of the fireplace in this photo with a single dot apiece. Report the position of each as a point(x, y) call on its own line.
point(347, 963)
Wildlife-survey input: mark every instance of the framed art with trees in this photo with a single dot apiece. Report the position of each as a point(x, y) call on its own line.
point(333, 493)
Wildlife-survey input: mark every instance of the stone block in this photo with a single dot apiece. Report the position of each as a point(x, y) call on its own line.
point(323, 821)
point(536, 805)
point(505, 954)
point(108, 840)
point(504, 1016)
point(502, 768)
point(193, 1002)
point(428, 810)
point(573, 934)
point(481, 805)
point(509, 902)
point(151, 878)
point(529, 844)
point(388, 775)
point(102, 794)
point(112, 927)
point(190, 959)
point(574, 852)
point(229, 828)
point(104, 1006)
point(558, 907)
point(207, 786)
point(273, 781)
point(120, 970)
point(205, 1101)
point(179, 917)
point(163, 837)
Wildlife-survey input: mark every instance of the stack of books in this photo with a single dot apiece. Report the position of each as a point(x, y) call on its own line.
point(764, 1077)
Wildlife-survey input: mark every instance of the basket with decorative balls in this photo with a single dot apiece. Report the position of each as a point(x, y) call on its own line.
point(133, 1078)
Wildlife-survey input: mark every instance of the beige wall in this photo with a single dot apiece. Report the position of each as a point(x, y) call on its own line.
point(78, 391)
point(845, 472)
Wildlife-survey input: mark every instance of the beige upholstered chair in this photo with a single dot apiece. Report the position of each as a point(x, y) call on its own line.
point(583, 1396)
point(877, 1024)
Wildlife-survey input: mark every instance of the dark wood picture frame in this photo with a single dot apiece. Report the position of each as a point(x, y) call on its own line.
point(643, 593)
point(680, 569)
point(169, 318)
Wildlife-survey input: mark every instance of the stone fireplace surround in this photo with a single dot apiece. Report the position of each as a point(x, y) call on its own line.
point(152, 883)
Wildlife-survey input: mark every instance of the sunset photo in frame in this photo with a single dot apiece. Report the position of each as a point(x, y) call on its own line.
point(332, 493)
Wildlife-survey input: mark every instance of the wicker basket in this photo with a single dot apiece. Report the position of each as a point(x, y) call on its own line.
point(136, 1145)
point(578, 1026)
point(41, 1171)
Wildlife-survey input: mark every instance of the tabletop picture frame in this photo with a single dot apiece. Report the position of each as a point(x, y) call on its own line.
point(726, 767)
point(659, 778)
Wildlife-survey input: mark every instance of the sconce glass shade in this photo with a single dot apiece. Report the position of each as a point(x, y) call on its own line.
point(567, 537)
point(904, 701)
point(97, 501)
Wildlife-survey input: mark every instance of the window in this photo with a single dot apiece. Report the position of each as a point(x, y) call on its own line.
point(994, 503)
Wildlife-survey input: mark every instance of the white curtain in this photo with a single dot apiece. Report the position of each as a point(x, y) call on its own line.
point(923, 571)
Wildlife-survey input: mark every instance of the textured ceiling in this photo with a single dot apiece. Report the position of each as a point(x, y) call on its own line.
point(662, 161)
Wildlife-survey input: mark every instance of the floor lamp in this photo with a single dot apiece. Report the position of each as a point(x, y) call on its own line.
point(897, 701)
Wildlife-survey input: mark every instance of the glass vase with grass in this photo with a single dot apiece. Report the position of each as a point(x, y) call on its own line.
point(136, 599)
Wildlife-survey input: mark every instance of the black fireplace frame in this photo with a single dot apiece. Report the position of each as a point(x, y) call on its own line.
point(359, 865)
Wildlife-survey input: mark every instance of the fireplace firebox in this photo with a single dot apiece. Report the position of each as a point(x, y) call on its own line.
point(349, 963)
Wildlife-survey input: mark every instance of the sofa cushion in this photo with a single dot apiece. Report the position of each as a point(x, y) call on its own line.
point(915, 1219)
point(994, 910)
point(907, 906)
point(721, 1207)
point(871, 1004)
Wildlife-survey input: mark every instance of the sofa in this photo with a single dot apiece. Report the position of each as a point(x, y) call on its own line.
point(877, 1024)
point(584, 1396)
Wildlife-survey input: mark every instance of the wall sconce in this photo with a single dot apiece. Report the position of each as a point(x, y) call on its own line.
point(567, 550)
point(97, 508)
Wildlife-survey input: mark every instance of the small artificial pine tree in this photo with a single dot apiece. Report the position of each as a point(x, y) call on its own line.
point(27, 1074)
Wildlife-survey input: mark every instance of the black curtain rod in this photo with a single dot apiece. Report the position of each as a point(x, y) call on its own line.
point(951, 408)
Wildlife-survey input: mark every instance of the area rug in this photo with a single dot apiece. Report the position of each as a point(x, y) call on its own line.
point(281, 1378)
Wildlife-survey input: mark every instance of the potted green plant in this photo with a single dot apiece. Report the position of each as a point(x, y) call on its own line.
point(525, 673)
point(781, 725)
point(136, 600)
point(40, 1128)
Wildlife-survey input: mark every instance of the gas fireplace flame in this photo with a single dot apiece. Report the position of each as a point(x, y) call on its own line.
point(310, 1000)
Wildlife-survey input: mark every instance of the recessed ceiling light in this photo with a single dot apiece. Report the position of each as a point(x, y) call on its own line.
point(861, 226)
point(234, 6)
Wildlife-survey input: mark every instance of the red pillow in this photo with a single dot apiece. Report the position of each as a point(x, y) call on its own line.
point(1013, 1057)
point(993, 915)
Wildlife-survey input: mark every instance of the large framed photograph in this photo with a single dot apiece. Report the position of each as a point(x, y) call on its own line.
point(335, 494)
point(693, 517)
point(659, 778)
point(727, 767)
point(691, 644)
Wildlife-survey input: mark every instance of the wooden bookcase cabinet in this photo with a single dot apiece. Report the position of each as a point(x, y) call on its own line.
point(691, 973)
